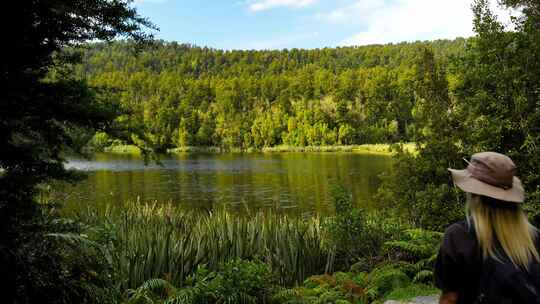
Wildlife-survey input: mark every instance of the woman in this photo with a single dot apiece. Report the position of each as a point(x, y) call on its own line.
point(492, 256)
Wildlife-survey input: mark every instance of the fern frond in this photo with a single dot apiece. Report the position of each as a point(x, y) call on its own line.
point(423, 276)
point(154, 285)
point(73, 238)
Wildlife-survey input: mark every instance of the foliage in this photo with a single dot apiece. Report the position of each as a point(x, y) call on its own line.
point(353, 233)
point(169, 255)
point(180, 95)
point(236, 281)
point(346, 228)
point(99, 141)
point(60, 261)
point(337, 288)
point(407, 266)
point(204, 255)
point(383, 279)
point(488, 102)
point(499, 95)
point(414, 245)
point(365, 148)
point(388, 280)
point(415, 253)
point(157, 241)
point(45, 111)
point(411, 291)
point(399, 263)
point(419, 183)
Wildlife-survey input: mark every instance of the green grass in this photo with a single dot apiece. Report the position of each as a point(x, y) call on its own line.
point(162, 241)
point(123, 149)
point(383, 149)
point(196, 149)
point(285, 148)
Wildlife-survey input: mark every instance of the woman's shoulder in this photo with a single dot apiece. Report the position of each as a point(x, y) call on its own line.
point(460, 238)
point(461, 228)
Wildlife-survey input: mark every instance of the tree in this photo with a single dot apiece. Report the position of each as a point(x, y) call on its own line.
point(492, 103)
point(41, 105)
point(499, 92)
point(419, 184)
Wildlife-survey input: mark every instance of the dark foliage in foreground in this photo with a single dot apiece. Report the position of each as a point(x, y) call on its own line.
point(41, 110)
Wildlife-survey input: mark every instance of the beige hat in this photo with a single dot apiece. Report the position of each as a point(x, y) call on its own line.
point(490, 174)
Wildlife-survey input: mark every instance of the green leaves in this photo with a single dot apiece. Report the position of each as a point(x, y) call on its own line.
point(236, 281)
point(157, 241)
point(181, 95)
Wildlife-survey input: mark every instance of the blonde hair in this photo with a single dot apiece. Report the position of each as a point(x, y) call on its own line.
point(502, 225)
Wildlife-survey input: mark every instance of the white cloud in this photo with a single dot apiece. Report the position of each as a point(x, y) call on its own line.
point(406, 20)
point(261, 5)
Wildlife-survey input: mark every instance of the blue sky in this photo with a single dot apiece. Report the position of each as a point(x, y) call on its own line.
point(278, 24)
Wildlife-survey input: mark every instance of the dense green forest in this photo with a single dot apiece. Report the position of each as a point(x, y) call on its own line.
point(452, 98)
point(178, 95)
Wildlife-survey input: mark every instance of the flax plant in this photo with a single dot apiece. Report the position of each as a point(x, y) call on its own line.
point(162, 241)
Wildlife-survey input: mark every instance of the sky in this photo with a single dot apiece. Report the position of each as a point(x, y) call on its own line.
point(279, 24)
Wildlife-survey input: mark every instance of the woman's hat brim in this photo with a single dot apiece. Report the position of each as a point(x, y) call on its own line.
point(467, 183)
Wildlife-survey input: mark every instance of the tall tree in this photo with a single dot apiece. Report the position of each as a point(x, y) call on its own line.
point(492, 103)
point(42, 106)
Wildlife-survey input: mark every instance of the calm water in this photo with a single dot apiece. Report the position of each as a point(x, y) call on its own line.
point(289, 182)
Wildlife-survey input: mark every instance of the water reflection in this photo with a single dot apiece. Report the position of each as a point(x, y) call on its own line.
point(290, 182)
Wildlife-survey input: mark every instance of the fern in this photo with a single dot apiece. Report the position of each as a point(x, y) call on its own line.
point(149, 291)
point(417, 244)
point(287, 296)
point(73, 239)
point(154, 285)
point(423, 276)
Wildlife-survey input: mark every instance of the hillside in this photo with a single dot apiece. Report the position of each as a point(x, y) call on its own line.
point(181, 95)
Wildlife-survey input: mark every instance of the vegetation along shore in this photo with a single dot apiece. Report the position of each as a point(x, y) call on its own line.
point(89, 75)
point(386, 149)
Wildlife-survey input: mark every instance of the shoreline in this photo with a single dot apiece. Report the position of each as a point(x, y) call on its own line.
point(381, 149)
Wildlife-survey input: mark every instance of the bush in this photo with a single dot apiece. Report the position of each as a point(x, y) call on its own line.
point(346, 229)
point(415, 245)
point(384, 279)
point(58, 262)
point(322, 289)
point(353, 234)
point(153, 240)
point(233, 282)
point(100, 141)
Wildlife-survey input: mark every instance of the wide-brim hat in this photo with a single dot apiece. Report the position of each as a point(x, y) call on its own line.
point(490, 174)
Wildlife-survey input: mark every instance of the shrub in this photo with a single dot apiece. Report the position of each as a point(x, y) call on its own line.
point(353, 234)
point(385, 279)
point(154, 241)
point(416, 244)
point(59, 263)
point(100, 141)
point(337, 288)
point(233, 282)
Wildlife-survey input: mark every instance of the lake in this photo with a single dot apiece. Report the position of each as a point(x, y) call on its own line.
point(295, 183)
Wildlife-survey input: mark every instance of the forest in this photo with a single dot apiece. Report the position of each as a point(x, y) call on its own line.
point(181, 95)
point(63, 88)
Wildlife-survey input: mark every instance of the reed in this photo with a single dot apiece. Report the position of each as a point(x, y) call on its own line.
point(162, 241)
